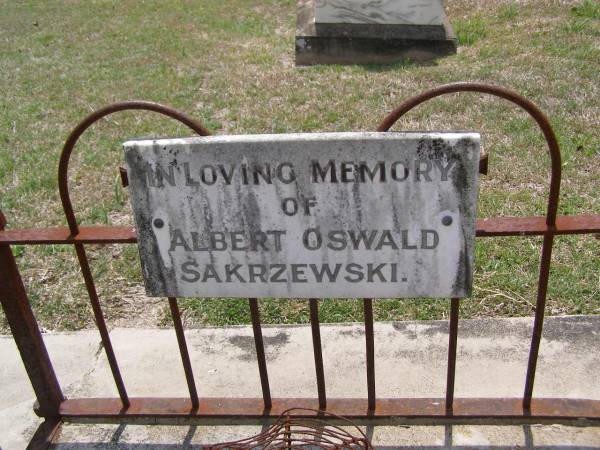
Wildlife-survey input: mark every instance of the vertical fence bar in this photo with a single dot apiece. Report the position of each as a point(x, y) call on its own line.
point(100, 323)
point(370, 344)
point(183, 351)
point(538, 321)
point(318, 351)
point(260, 352)
point(452, 340)
point(27, 335)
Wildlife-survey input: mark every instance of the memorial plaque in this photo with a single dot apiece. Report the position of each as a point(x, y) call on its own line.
point(306, 215)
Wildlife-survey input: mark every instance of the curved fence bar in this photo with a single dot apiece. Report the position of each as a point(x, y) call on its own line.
point(506, 94)
point(63, 185)
point(553, 196)
point(63, 167)
point(74, 228)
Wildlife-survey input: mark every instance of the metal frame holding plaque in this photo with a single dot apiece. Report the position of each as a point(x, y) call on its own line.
point(306, 215)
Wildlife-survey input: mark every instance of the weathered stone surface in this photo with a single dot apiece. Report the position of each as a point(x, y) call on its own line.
point(382, 19)
point(306, 215)
point(386, 31)
point(415, 12)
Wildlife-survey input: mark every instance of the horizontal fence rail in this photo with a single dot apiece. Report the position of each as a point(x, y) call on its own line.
point(52, 405)
point(492, 227)
point(483, 410)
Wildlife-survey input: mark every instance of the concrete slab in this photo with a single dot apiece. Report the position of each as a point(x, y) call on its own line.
point(410, 362)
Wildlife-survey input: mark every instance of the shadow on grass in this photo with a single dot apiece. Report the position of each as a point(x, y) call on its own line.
point(403, 64)
point(400, 65)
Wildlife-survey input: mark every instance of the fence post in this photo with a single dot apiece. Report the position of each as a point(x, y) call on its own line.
point(27, 335)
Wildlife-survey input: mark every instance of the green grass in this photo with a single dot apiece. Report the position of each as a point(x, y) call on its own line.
point(229, 63)
point(589, 9)
point(470, 30)
point(509, 11)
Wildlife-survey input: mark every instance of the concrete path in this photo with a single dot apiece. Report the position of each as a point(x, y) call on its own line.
point(410, 362)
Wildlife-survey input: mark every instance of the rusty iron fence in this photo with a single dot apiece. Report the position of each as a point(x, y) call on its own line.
point(55, 408)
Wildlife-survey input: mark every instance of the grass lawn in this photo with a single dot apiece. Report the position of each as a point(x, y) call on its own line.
point(230, 63)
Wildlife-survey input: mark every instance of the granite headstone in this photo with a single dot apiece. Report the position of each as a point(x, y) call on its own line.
point(375, 31)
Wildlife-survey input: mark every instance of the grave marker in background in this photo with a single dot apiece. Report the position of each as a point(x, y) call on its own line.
point(376, 31)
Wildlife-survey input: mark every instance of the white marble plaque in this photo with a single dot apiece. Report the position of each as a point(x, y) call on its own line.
point(390, 12)
point(306, 215)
